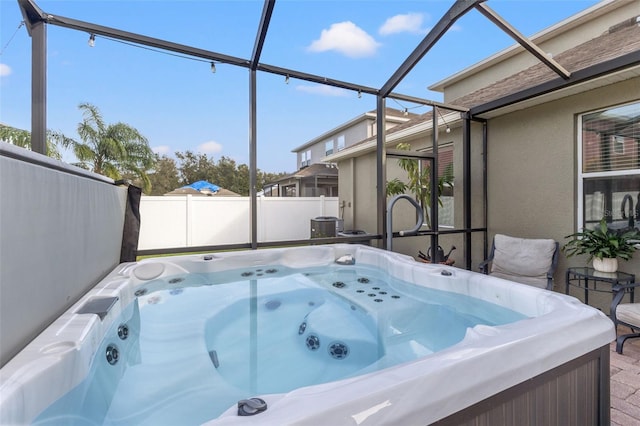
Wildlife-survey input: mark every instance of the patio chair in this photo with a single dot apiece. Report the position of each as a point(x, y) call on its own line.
point(527, 261)
point(627, 314)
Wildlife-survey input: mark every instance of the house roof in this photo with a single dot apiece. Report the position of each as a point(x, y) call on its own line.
point(314, 170)
point(202, 187)
point(620, 40)
point(392, 115)
point(601, 8)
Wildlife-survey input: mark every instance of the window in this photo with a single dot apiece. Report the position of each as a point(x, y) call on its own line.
point(445, 175)
point(305, 158)
point(341, 143)
point(618, 144)
point(609, 166)
point(328, 147)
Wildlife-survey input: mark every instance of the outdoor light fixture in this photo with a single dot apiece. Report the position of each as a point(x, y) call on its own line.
point(359, 94)
point(406, 112)
point(286, 79)
point(213, 67)
point(92, 40)
point(447, 129)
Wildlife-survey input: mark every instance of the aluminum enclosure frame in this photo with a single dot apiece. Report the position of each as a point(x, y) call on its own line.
point(36, 21)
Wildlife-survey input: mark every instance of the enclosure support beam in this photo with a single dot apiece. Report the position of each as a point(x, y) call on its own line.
point(39, 87)
point(466, 185)
point(381, 168)
point(459, 8)
point(523, 41)
point(253, 163)
point(610, 66)
point(33, 14)
point(267, 11)
point(433, 183)
point(485, 187)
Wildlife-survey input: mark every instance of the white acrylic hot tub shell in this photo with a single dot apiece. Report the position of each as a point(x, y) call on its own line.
point(488, 360)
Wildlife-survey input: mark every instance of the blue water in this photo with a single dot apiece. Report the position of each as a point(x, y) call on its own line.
point(198, 343)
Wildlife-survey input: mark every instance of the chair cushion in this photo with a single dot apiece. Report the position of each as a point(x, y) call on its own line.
point(540, 282)
point(629, 313)
point(522, 257)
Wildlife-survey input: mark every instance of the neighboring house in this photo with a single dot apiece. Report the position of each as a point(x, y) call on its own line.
point(203, 188)
point(346, 135)
point(314, 177)
point(310, 181)
point(558, 156)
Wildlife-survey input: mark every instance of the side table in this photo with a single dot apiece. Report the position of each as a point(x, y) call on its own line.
point(591, 280)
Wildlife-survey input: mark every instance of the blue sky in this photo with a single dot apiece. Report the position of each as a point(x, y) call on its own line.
point(180, 105)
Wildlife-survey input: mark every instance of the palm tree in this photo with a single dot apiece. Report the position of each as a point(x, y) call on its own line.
point(419, 182)
point(110, 149)
point(22, 138)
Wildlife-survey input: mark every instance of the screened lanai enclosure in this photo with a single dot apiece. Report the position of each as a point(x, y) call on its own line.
point(471, 193)
point(80, 225)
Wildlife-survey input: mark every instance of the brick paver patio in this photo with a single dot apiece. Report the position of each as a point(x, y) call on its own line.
point(625, 383)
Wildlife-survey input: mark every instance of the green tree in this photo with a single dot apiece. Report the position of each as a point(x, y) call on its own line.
point(22, 138)
point(225, 173)
point(113, 150)
point(228, 175)
point(195, 167)
point(165, 176)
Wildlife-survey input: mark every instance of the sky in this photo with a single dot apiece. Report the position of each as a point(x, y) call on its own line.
point(179, 104)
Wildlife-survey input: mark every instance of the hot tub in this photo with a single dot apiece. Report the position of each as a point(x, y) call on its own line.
point(547, 364)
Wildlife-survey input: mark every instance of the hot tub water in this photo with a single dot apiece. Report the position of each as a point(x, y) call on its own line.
point(203, 341)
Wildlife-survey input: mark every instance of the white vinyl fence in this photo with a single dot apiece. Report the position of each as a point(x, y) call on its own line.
point(190, 221)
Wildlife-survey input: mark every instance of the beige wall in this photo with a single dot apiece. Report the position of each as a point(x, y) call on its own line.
point(531, 178)
point(357, 186)
point(532, 169)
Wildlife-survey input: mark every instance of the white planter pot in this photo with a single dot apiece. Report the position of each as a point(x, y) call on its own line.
point(606, 264)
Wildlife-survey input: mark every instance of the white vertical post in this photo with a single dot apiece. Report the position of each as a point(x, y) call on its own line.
point(188, 211)
point(262, 226)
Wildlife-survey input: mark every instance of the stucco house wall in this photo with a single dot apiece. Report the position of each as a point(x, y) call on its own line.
point(532, 169)
point(532, 146)
point(360, 200)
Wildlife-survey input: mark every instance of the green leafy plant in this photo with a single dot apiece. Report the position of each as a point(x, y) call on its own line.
point(419, 182)
point(602, 242)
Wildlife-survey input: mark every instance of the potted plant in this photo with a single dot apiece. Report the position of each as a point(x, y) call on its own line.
point(603, 245)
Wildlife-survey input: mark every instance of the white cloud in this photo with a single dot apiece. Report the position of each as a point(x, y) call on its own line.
point(407, 23)
point(346, 38)
point(161, 149)
point(5, 70)
point(323, 90)
point(210, 147)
